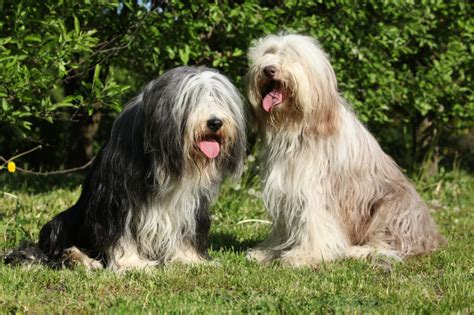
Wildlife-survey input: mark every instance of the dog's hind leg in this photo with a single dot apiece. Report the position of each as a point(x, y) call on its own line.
point(371, 252)
point(74, 256)
point(62, 232)
point(376, 255)
point(402, 227)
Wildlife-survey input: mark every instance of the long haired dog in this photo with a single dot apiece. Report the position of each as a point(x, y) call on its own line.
point(328, 186)
point(145, 201)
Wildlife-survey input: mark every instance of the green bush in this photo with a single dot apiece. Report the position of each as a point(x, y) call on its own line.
point(69, 66)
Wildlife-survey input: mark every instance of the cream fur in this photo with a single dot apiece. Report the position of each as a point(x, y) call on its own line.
point(330, 189)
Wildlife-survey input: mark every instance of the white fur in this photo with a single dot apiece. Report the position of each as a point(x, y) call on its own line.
point(162, 228)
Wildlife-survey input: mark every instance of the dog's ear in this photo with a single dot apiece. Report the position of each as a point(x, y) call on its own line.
point(163, 135)
point(315, 87)
point(325, 104)
point(323, 118)
point(235, 160)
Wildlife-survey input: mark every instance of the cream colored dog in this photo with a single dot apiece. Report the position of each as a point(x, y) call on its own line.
point(328, 186)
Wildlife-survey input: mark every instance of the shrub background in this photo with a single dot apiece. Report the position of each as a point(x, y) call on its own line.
point(68, 67)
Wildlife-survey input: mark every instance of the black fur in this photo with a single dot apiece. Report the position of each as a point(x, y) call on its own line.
point(203, 220)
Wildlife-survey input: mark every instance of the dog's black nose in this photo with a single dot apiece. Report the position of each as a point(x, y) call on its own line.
point(270, 72)
point(214, 124)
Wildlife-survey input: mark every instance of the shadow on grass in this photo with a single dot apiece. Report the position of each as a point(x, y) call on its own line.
point(18, 182)
point(220, 241)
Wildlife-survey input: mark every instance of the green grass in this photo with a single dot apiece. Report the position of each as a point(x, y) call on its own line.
point(439, 283)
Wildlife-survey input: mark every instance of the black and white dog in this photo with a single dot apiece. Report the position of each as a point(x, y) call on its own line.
point(145, 201)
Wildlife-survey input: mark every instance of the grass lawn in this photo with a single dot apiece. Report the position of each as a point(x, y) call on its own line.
point(439, 283)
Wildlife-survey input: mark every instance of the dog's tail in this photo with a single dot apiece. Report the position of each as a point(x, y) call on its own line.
point(28, 254)
point(48, 249)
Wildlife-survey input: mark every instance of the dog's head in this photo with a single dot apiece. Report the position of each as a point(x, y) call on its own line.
point(194, 121)
point(291, 82)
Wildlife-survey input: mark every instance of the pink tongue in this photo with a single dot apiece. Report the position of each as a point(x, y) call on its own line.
point(272, 99)
point(210, 148)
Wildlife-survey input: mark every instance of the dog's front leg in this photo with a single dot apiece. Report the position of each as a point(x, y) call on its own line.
point(124, 256)
point(189, 254)
point(270, 249)
point(194, 249)
point(317, 236)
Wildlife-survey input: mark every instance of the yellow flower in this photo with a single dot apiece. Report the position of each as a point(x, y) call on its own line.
point(11, 167)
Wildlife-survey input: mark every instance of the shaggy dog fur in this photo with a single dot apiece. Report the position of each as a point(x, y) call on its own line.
point(328, 186)
point(145, 201)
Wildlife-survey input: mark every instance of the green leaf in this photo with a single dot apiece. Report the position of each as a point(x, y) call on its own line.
point(237, 52)
point(5, 106)
point(171, 53)
point(184, 54)
point(96, 78)
point(77, 26)
point(32, 38)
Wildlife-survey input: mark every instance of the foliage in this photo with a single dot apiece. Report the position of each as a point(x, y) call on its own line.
point(43, 47)
point(404, 65)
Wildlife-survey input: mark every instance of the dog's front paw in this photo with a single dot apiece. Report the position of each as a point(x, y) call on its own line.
point(262, 256)
point(300, 259)
point(188, 255)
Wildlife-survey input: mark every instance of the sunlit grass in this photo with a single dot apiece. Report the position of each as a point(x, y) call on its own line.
point(438, 283)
